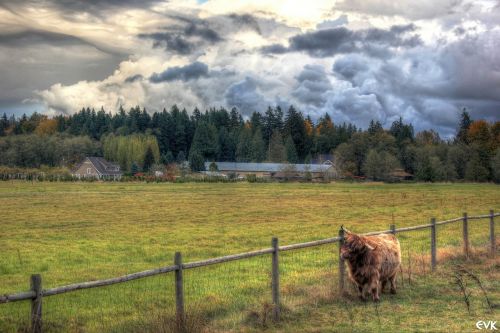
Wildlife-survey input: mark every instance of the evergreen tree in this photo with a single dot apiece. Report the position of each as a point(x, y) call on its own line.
point(402, 132)
point(376, 127)
point(244, 147)
point(226, 146)
point(134, 168)
point(235, 121)
point(291, 152)
point(256, 121)
point(196, 114)
point(181, 157)
point(326, 135)
point(167, 158)
point(205, 140)
point(213, 167)
point(277, 151)
point(465, 122)
point(258, 149)
point(294, 127)
point(196, 161)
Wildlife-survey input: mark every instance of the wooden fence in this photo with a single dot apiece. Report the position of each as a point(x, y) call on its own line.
point(36, 293)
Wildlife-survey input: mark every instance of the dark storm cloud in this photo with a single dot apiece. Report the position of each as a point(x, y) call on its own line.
point(246, 20)
point(427, 86)
point(274, 49)
point(195, 27)
point(184, 39)
point(133, 78)
point(349, 66)
point(312, 85)
point(205, 33)
point(172, 42)
point(245, 96)
point(184, 73)
point(328, 42)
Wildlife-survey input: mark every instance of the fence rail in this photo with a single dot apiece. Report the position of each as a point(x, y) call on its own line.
point(36, 293)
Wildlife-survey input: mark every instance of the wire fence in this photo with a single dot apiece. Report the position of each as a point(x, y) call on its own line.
point(255, 287)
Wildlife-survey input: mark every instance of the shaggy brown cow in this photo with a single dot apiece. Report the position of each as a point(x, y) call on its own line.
point(372, 261)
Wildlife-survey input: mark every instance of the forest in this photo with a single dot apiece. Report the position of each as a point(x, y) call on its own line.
point(138, 140)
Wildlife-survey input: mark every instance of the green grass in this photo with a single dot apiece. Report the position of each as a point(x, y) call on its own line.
point(72, 232)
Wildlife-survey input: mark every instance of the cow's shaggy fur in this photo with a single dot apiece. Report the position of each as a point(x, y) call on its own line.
point(372, 261)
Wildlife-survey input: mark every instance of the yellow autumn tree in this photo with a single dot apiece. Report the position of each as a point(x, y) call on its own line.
point(46, 127)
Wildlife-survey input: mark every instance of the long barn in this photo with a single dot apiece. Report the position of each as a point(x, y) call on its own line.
point(275, 170)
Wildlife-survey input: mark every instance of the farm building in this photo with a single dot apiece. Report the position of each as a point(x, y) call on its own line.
point(275, 170)
point(400, 174)
point(97, 167)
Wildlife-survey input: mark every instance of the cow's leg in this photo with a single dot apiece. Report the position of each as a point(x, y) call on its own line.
point(360, 290)
point(382, 287)
point(374, 289)
point(393, 284)
point(365, 289)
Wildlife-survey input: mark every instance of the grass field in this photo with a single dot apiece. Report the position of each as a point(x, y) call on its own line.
point(71, 232)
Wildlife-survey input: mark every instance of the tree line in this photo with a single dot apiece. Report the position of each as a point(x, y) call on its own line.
point(273, 136)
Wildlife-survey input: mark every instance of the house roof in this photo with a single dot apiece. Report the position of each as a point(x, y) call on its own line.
point(268, 167)
point(103, 166)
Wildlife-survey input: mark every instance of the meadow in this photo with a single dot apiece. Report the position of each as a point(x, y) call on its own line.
point(72, 232)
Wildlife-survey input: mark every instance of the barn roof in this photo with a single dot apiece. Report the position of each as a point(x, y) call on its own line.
point(105, 167)
point(268, 167)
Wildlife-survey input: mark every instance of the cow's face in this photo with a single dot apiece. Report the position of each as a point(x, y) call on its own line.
point(353, 246)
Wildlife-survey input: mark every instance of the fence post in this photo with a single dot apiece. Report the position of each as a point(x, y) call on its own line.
point(36, 303)
point(433, 243)
point(179, 292)
point(393, 229)
point(466, 236)
point(275, 284)
point(341, 262)
point(492, 234)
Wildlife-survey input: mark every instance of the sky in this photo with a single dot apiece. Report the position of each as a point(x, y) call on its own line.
point(357, 60)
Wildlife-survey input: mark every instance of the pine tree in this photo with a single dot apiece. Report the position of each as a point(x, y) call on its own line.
point(181, 157)
point(226, 146)
point(196, 161)
point(134, 168)
point(258, 149)
point(376, 127)
point(256, 121)
point(291, 152)
point(465, 122)
point(294, 127)
point(276, 152)
point(244, 147)
point(167, 158)
point(205, 140)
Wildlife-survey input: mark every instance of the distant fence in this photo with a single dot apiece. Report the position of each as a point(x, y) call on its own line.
point(36, 293)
